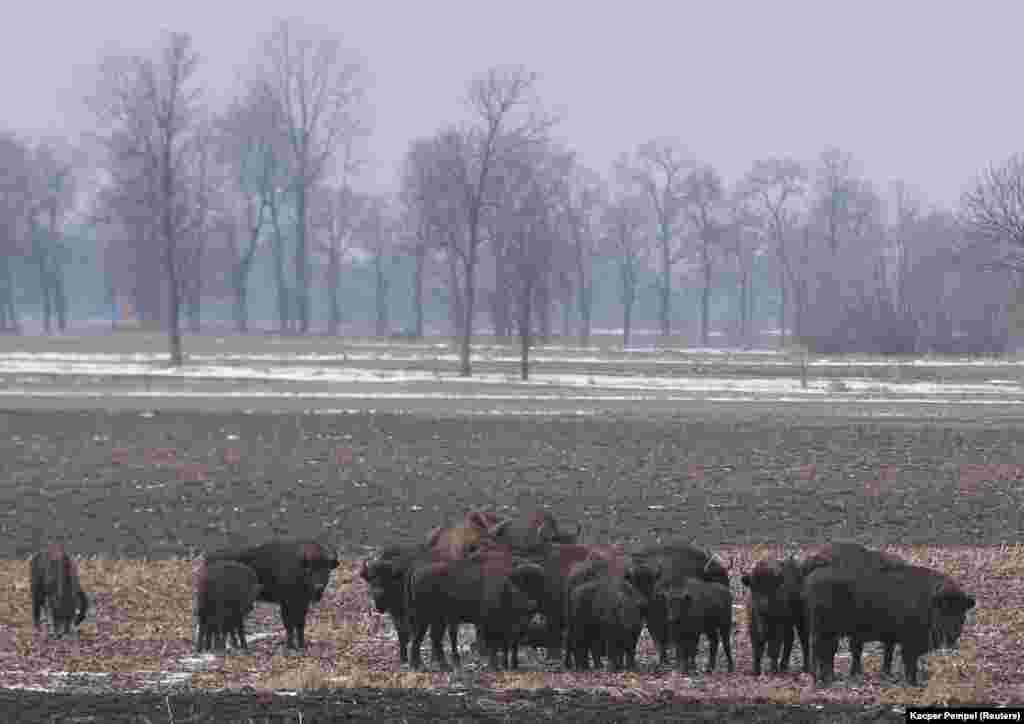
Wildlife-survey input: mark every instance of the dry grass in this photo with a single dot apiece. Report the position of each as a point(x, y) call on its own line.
point(153, 602)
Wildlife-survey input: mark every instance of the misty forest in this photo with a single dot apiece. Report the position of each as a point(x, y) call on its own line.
point(185, 211)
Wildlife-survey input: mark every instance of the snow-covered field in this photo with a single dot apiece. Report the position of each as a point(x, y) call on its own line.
point(283, 368)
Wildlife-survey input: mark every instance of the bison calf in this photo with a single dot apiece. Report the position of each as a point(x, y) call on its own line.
point(55, 586)
point(225, 594)
point(776, 611)
point(694, 608)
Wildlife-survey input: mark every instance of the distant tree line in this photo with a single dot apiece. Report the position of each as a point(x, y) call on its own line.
point(175, 204)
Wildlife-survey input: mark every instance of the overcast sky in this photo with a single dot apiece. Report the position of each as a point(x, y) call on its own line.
point(930, 92)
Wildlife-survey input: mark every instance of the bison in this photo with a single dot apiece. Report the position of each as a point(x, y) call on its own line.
point(672, 565)
point(776, 610)
point(292, 574)
point(605, 614)
point(916, 607)
point(855, 559)
point(226, 592)
point(495, 591)
point(697, 607)
point(55, 587)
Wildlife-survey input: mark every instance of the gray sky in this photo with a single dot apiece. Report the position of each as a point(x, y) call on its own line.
point(929, 92)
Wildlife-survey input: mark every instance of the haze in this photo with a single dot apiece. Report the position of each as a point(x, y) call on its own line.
point(924, 92)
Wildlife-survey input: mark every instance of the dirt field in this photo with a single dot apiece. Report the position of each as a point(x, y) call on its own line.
point(126, 485)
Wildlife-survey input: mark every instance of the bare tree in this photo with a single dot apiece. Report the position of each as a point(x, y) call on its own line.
point(775, 189)
point(625, 223)
point(992, 210)
point(150, 110)
point(340, 212)
point(586, 197)
point(507, 119)
point(377, 231)
point(252, 149)
point(707, 212)
point(662, 167)
point(530, 221)
point(319, 88)
point(15, 209)
point(54, 192)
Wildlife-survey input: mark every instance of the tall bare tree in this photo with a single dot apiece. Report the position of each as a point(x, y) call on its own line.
point(507, 118)
point(54, 191)
point(992, 210)
point(708, 214)
point(586, 196)
point(15, 211)
point(252, 150)
point(320, 90)
point(662, 167)
point(149, 110)
point(625, 225)
point(775, 189)
point(340, 211)
point(377, 230)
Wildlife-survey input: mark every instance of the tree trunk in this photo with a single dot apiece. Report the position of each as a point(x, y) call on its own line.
point(302, 297)
point(417, 301)
point(8, 313)
point(666, 290)
point(627, 321)
point(382, 296)
point(524, 331)
point(455, 309)
point(585, 309)
point(333, 296)
point(465, 370)
point(241, 300)
point(584, 282)
point(60, 298)
point(705, 301)
point(283, 311)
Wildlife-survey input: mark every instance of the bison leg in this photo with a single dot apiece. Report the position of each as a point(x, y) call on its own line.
point(890, 647)
point(757, 643)
point(453, 641)
point(712, 649)
point(910, 663)
point(727, 647)
point(787, 646)
point(856, 657)
point(437, 643)
point(825, 647)
point(419, 630)
point(402, 627)
point(805, 646)
point(294, 619)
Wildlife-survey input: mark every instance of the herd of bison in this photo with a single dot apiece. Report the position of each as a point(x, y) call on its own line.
point(595, 599)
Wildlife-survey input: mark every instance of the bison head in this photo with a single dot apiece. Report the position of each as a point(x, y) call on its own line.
point(949, 610)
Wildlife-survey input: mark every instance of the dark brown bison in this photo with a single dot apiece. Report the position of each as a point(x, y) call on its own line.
point(698, 607)
point(776, 611)
point(916, 607)
point(856, 559)
point(55, 587)
point(491, 590)
point(225, 592)
point(292, 574)
point(672, 565)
